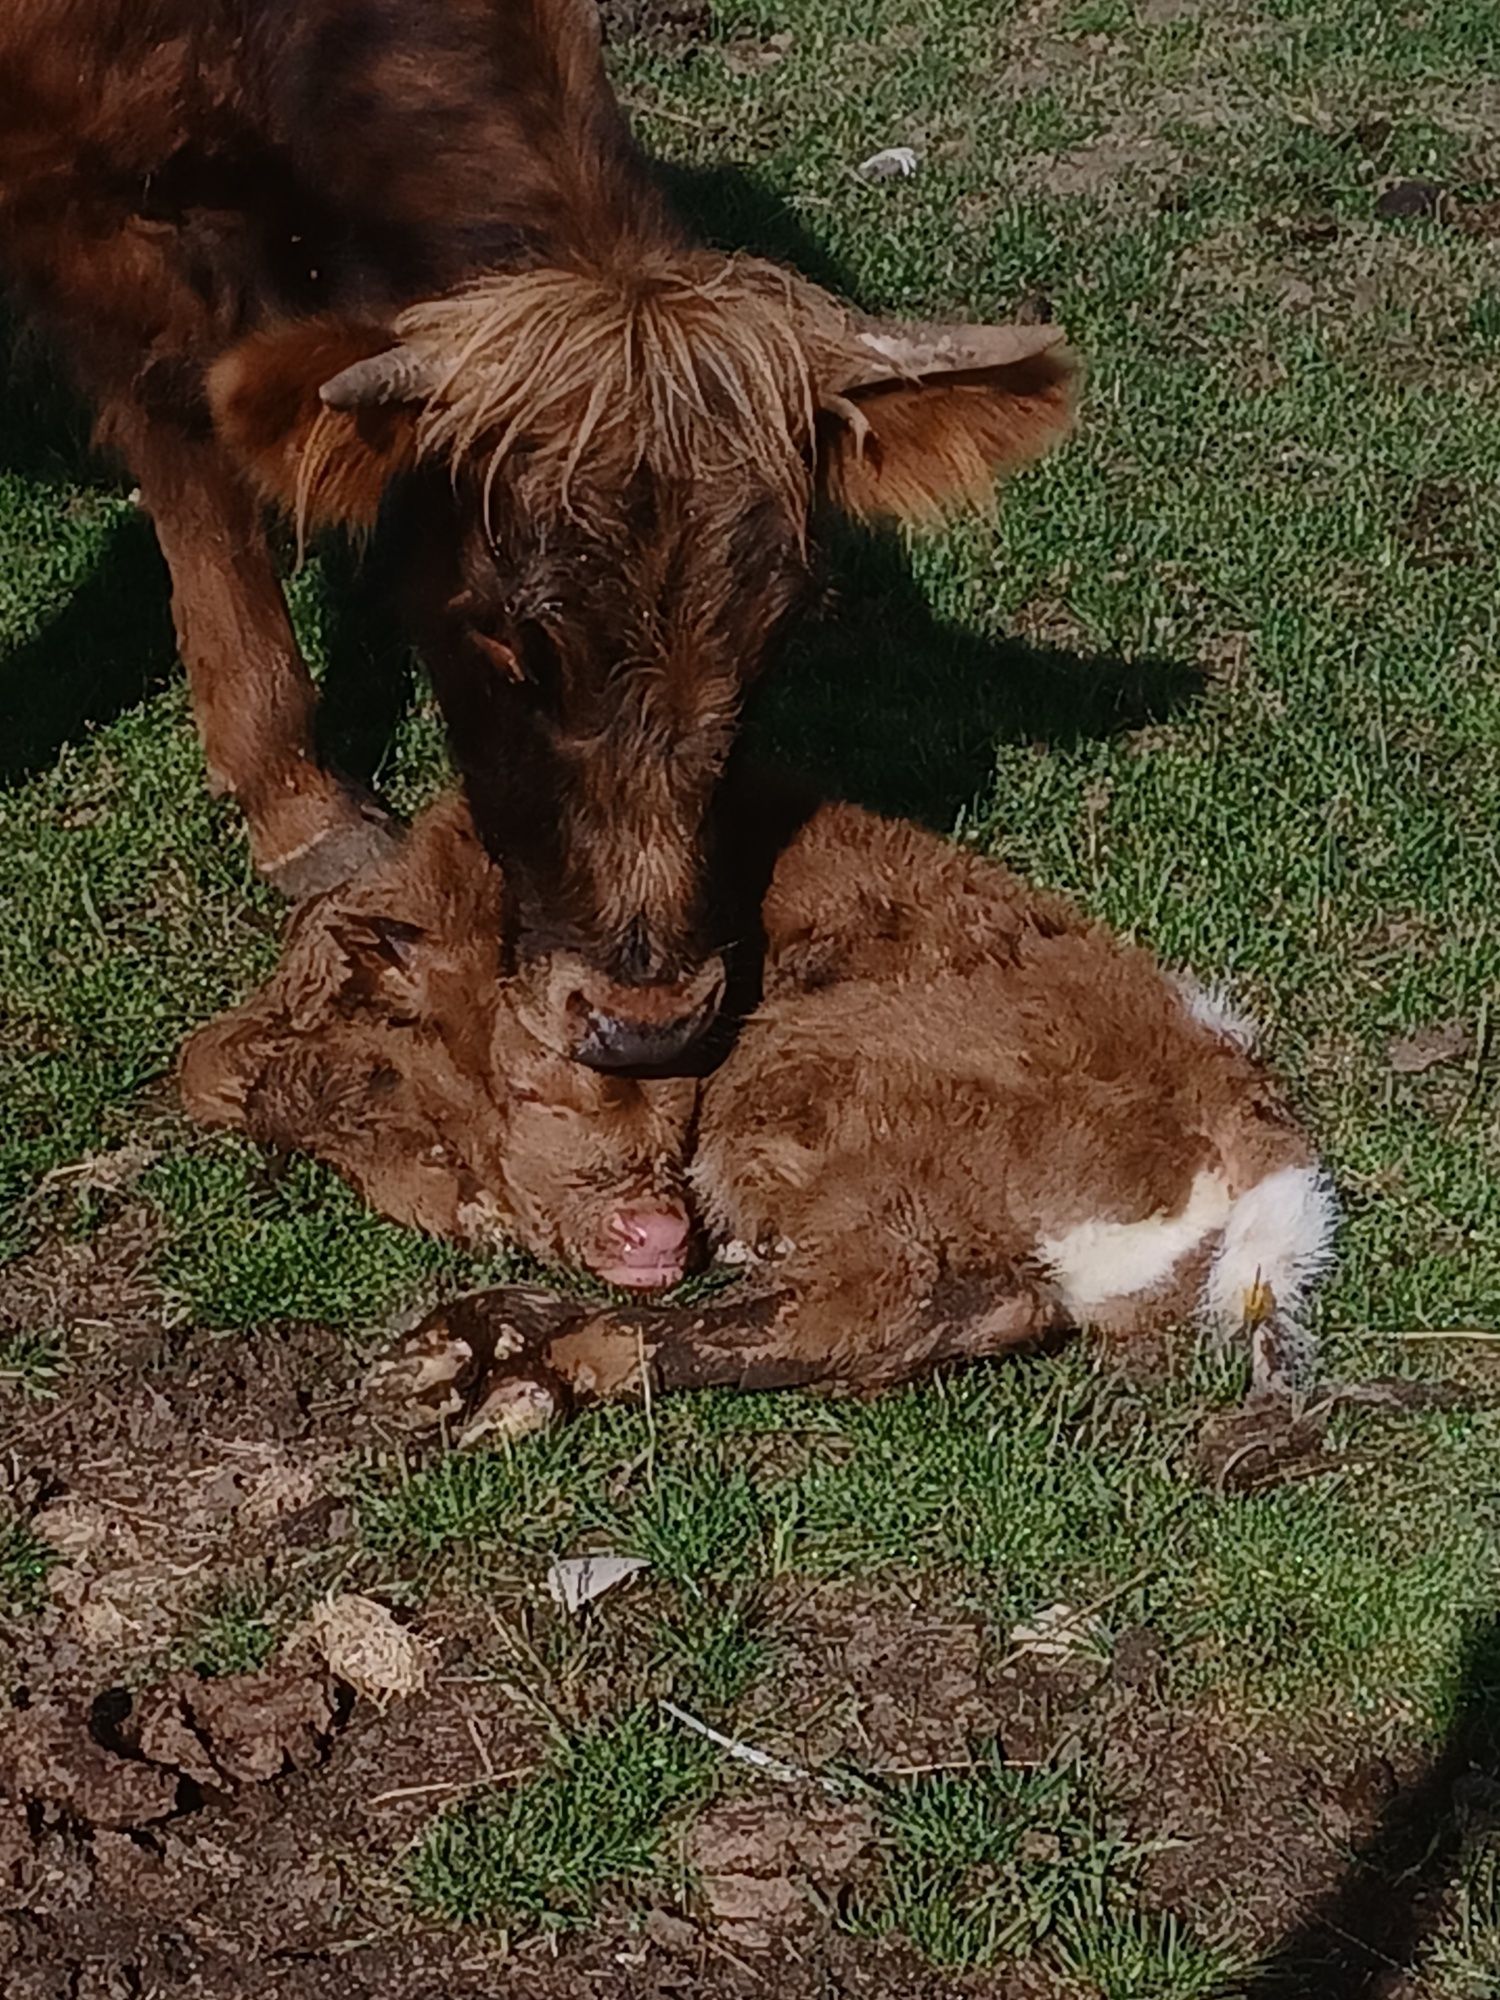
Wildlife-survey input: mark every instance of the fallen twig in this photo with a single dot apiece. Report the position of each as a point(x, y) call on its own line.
point(746, 1753)
point(1448, 1333)
point(448, 1785)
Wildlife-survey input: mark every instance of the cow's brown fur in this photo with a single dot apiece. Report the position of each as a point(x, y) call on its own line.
point(599, 497)
point(945, 1074)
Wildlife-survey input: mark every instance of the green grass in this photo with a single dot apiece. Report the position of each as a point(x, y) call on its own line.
point(1348, 1595)
point(232, 1631)
point(24, 1564)
point(1464, 1958)
point(541, 1855)
point(992, 1863)
point(1224, 670)
point(32, 1363)
point(995, 1863)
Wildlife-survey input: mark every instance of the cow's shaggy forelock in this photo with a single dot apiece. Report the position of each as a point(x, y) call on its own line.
point(701, 367)
point(696, 366)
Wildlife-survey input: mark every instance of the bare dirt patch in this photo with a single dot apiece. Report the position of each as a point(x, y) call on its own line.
point(219, 1840)
point(903, 1684)
point(208, 1457)
point(764, 1861)
point(667, 27)
point(167, 1834)
point(1250, 1828)
point(226, 1839)
point(99, 1290)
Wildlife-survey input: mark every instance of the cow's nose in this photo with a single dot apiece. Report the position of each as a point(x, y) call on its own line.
point(614, 1041)
point(644, 1025)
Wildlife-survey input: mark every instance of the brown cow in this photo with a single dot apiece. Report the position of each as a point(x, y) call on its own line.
point(959, 1118)
point(401, 257)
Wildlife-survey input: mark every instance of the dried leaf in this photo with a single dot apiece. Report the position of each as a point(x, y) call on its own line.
point(1450, 1042)
point(1060, 1632)
point(892, 163)
point(366, 1646)
point(574, 1581)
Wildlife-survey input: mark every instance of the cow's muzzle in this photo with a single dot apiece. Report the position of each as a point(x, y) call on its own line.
point(613, 1025)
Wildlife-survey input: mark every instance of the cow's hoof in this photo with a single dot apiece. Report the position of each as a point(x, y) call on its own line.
point(336, 856)
point(511, 1408)
point(427, 1381)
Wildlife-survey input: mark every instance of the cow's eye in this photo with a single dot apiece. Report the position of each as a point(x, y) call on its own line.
point(538, 650)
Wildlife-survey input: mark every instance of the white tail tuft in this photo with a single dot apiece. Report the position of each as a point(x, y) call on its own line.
point(1278, 1242)
point(1213, 1008)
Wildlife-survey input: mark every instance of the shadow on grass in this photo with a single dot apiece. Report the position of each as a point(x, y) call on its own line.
point(880, 701)
point(1357, 1942)
point(111, 645)
point(885, 704)
point(106, 649)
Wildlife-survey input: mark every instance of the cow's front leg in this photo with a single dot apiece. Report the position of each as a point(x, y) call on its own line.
point(253, 697)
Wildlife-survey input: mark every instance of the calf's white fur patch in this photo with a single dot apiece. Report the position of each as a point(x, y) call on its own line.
point(1212, 1008)
point(1099, 1261)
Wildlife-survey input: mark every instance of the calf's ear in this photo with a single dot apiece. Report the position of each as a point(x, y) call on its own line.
point(328, 466)
point(383, 966)
point(914, 425)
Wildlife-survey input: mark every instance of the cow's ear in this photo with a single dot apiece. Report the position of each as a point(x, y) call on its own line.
point(325, 466)
point(914, 425)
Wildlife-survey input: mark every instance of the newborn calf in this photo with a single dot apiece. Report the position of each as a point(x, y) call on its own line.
point(388, 1044)
point(958, 1118)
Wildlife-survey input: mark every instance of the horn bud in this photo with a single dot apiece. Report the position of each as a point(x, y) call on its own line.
point(396, 376)
point(878, 356)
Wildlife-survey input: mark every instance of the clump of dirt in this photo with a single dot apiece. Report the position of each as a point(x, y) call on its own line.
point(1271, 1440)
point(124, 1762)
point(232, 1838)
point(906, 1686)
point(1256, 1446)
point(909, 1688)
point(366, 1646)
point(669, 27)
point(762, 1860)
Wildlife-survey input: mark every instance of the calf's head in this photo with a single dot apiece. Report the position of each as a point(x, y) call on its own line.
point(608, 479)
point(579, 1167)
point(595, 1166)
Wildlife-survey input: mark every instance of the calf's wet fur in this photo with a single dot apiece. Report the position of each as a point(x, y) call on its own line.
point(954, 1117)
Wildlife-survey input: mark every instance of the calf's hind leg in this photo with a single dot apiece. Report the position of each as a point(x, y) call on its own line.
point(253, 698)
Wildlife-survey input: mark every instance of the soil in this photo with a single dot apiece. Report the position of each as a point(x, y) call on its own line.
point(667, 27)
point(165, 1835)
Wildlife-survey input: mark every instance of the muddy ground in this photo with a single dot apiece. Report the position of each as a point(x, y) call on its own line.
point(162, 1833)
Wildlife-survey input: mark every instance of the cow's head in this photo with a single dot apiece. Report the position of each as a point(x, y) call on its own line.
point(609, 481)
